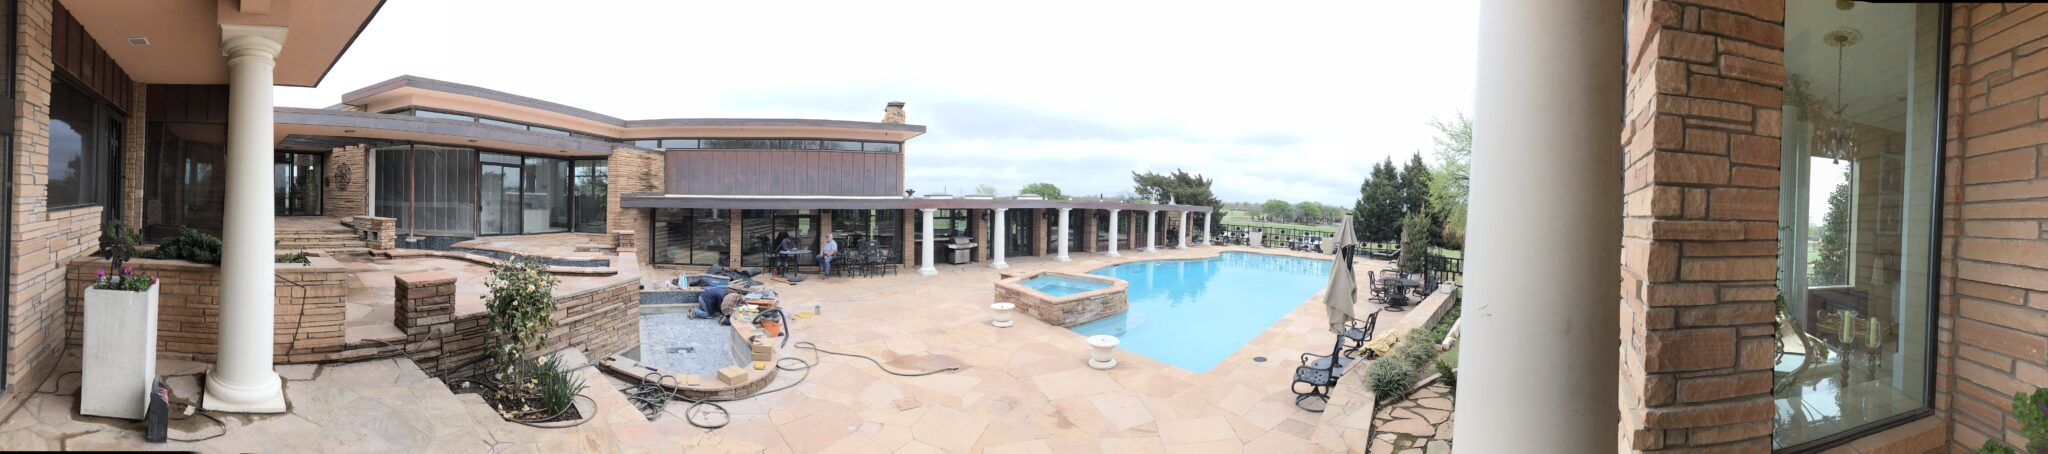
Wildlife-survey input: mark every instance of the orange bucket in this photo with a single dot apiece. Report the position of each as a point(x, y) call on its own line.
point(773, 327)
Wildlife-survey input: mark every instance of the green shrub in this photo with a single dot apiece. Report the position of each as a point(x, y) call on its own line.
point(1994, 447)
point(1447, 369)
point(1390, 380)
point(1417, 349)
point(118, 243)
point(191, 246)
point(520, 295)
point(293, 257)
point(558, 387)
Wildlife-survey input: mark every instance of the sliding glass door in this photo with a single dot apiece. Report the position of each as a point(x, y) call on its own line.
point(498, 194)
point(545, 202)
point(591, 189)
point(295, 184)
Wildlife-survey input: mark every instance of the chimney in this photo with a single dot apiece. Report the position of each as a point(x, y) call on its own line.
point(894, 113)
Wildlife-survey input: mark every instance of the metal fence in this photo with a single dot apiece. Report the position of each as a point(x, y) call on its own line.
point(1439, 268)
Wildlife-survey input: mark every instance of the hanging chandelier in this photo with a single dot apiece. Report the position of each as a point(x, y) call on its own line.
point(1834, 136)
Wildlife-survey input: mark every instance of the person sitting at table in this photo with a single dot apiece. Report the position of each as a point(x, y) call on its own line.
point(825, 254)
point(782, 260)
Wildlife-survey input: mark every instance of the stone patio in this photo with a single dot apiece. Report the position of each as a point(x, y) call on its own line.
point(370, 289)
point(1420, 424)
point(1020, 389)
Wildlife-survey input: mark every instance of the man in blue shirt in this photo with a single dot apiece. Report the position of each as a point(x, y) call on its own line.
point(825, 254)
point(709, 303)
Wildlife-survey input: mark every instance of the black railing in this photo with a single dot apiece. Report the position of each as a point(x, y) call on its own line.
point(1438, 268)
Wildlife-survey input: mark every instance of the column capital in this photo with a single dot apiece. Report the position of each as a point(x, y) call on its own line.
point(927, 210)
point(239, 41)
point(1065, 209)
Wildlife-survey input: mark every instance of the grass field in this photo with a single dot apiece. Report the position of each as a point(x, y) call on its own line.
point(1238, 218)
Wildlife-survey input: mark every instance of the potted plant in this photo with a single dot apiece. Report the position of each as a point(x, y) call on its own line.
point(119, 364)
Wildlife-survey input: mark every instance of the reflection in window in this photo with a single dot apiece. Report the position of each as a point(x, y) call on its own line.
point(1856, 210)
point(77, 163)
point(591, 189)
point(431, 190)
point(692, 236)
point(295, 184)
point(184, 176)
point(873, 232)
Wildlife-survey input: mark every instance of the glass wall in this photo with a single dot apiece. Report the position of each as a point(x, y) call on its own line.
point(768, 144)
point(692, 237)
point(295, 184)
point(432, 190)
point(870, 231)
point(498, 200)
point(545, 205)
point(184, 178)
point(762, 228)
point(591, 187)
point(1857, 218)
point(1017, 229)
point(85, 144)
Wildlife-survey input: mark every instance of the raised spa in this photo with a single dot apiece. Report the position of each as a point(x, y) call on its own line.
point(1062, 299)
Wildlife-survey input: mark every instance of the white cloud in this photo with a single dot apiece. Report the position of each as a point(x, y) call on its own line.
point(1290, 101)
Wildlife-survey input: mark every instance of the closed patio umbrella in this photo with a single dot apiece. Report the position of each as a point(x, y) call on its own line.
point(1342, 292)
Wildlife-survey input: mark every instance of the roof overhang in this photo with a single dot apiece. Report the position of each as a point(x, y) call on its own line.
point(185, 35)
point(374, 127)
point(769, 202)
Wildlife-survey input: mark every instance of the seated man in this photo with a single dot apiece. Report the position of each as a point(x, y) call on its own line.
point(825, 254)
point(710, 303)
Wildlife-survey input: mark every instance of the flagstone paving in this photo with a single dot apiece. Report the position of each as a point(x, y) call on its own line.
point(1420, 424)
point(1021, 389)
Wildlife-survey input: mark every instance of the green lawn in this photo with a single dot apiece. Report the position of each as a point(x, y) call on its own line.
point(1237, 218)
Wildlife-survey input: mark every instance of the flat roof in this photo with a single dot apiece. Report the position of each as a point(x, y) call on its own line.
point(769, 202)
point(397, 84)
point(373, 127)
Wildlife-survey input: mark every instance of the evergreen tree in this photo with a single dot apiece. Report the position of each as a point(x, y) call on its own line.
point(1180, 187)
point(1377, 215)
point(1416, 246)
point(1831, 267)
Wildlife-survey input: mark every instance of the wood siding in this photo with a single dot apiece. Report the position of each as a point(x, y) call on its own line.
point(188, 103)
point(82, 58)
point(784, 172)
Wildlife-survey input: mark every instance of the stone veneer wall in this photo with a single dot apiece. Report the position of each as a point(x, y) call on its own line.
point(40, 240)
point(133, 139)
point(910, 233)
point(630, 171)
point(1700, 207)
point(1064, 311)
point(310, 307)
point(378, 233)
point(347, 176)
point(603, 321)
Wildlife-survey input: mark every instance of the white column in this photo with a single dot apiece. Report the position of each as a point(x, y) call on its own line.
point(1183, 230)
point(1208, 228)
point(1113, 227)
point(1002, 242)
point(1561, 334)
point(242, 380)
point(1063, 236)
point(927, 269)
point(1151, 230)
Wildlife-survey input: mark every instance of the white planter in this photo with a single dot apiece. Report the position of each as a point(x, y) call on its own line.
point(1102, 345)
point(120, 353)
point(1003, 314)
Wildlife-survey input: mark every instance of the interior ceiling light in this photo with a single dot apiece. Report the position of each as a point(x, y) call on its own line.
point(138, 41)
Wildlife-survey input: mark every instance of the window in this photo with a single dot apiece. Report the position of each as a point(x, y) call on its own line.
point(431, 190)
point(870, 230)
point(882, 147)
point(185, 178)
point(1857, 207)
point(648, 144)
point(768, 144)
point(692, 237)
point(545, 202)
point(679, 143)
point(295, 184)
point(447, 116)
point(85, 141)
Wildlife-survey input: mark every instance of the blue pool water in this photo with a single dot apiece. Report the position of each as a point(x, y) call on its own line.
point(1194, 313)
point(1058, 286)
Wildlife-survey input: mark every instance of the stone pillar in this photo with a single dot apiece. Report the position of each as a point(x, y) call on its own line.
point(1113, 226)
point(736, 244)
point(243, 381)
point(1037, 232)
point(1002, 242)
point(1560, 334)
point(926, 252)
point(908, 236)
point(1063, 235)
point(1151, 230)
point(1087, 231)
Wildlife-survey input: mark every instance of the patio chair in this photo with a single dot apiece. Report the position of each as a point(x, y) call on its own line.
point(1356, 333)
point(1374, 289)
point(1317, 374)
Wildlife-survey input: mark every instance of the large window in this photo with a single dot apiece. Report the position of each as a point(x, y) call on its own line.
point(184, 178)
point(431, 190)
point(768, 144)
point(546, 198)
point(692, 237)
point(876, 231)
point(591, 187)
point(762, 228)
point(295, 184)
point(1857, 216)
point(85, 145)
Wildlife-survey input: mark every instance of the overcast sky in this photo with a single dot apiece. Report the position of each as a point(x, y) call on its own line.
point(1273, 100)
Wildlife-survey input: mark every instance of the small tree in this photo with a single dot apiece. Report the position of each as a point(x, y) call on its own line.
point(1415, 243)
point(520, 295)
point(983, 189)
point(1276, 209)
point(1046, 190)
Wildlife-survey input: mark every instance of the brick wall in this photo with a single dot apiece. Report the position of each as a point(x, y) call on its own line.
point(41, 241)
point(602, 321)
point(910, 233)
point(347, 176)
point(1705, 83)
point(1087, 230)
point(378, 233)
point(630, 171)
point(310, 307)
point(133, 139)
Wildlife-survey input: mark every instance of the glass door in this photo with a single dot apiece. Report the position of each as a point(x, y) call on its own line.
point(295, 184)
point(805, 227)
point(498, 195)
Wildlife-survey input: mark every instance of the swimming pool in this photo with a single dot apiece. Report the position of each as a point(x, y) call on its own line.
point(1194, 313)
point(1057, 285)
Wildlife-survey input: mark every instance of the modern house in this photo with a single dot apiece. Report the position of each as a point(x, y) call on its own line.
point(159, 115)
point(1828, 217)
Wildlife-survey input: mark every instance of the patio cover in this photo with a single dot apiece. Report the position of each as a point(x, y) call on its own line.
point(1342, 293)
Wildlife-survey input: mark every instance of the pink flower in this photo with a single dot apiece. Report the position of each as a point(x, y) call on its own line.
point(103, 274)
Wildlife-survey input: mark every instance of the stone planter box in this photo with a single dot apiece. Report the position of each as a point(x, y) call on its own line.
point(1064, 311)
point(119, 366)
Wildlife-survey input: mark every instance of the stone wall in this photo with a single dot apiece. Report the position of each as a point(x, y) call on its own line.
point(133, 138)
point(42, 240)
point(310, 307)
point(377, 233)
point(602, 321)
point(1701, 152)
point(347, 176)
point(630, 171)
